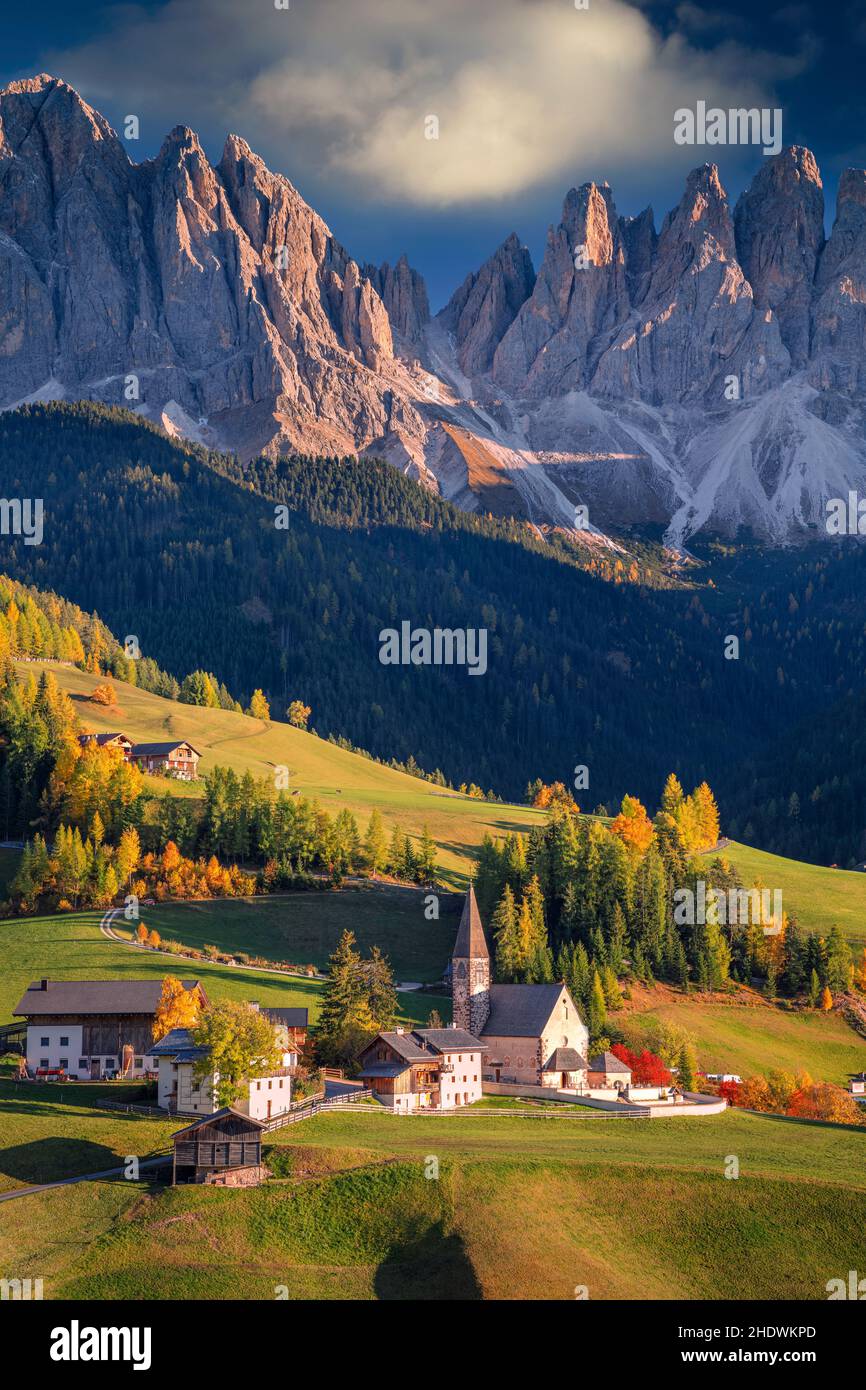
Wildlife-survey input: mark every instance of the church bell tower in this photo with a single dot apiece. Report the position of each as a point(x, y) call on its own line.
point(470, 971)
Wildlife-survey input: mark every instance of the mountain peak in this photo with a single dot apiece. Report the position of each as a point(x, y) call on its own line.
point(481, 311)
point(779, 230)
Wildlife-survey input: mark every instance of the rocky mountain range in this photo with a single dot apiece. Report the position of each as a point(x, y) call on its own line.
point(708, 375)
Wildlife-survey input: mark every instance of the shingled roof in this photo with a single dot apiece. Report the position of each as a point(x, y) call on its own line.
point(406, 1046)
point(289, 1018)
point(471, 943)
point(606, 1061)
point(520, 1011)
point(565, 1059)
point(93, 997)
point(448, 1039)
point(179, 1046)
point(157, 749)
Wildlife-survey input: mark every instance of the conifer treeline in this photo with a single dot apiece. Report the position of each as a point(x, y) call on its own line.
point(590, 904)
point(180, 547)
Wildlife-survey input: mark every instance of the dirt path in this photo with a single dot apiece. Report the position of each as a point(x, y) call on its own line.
point(83, 1177)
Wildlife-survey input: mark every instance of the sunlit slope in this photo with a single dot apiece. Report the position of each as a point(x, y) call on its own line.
point(819, 898)
point(522, 1209)
point(316, 768)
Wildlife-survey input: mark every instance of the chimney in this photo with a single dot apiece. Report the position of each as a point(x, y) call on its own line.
point(452, 1025)
point(399, 1032)
point(43, 984)
point(254, 1004)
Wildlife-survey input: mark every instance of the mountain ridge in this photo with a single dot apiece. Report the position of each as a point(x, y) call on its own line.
point(708, 376)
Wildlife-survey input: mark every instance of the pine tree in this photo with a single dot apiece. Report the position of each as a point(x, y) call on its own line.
point(344, 994)
point(381, 992)
point(375, 849)
point(596, 1020)
point(259, 707)
point(426, 857)
point(504, 928)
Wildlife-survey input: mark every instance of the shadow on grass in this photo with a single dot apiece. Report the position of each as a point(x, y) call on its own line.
point(434, 1267)
point(48, 1160)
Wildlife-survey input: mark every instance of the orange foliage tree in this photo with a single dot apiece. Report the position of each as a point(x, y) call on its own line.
point(104, 694)
point(177, 1007)
point(633, 825)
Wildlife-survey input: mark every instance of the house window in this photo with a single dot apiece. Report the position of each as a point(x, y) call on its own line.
point(110, 1061)
point(83, 1063)
point(44, 1042)
point(139, 1061)
point(44, 1062)
point(64, 1062)
point(64, 1042)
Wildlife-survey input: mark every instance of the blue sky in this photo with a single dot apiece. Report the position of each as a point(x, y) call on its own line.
point(531, 96)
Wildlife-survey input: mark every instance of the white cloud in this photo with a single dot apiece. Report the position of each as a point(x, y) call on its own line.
point(524, 90)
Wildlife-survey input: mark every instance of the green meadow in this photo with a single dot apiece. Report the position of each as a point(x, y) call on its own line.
point(484, 1205)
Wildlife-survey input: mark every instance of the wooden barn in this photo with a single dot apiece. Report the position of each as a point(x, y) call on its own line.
point(223, 1149)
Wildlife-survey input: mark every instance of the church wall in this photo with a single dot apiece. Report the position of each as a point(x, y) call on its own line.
point(519, 1058)
point(564, 1028)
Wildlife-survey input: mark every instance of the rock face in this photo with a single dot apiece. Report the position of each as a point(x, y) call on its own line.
point(404, 294)
point(839, 322)
point(697, 322)
point(579, 297)
point(712, 375)
point(779, 224)
point(217, 289)
point(486, 304)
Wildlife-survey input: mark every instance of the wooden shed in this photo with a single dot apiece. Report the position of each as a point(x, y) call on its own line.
point(224, 1149)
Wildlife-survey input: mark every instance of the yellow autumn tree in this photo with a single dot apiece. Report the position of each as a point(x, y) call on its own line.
point(177, 1007)
point(707, 815)
point(826, 999)
point(259, 707)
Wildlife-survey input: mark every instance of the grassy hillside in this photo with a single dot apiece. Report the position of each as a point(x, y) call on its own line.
point(737, 1037)
point(316, 768)
point(304, 928)
point(819, 897)
point(522, 1208)
point(71, 947)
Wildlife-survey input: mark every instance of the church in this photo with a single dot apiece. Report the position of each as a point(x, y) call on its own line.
point(530, 1034)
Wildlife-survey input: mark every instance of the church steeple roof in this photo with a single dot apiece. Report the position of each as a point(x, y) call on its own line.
point(471, 943)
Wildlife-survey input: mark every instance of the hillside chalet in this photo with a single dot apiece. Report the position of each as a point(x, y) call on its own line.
point(89, 1029)
point(108, 741)
point(167, 760)
point(428, 1069)
point(180, 1093)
